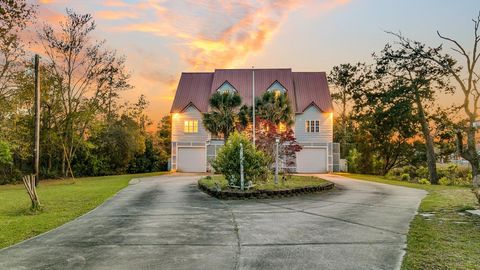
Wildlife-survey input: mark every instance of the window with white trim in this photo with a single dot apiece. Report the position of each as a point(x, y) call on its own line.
point(312, 126)
point(190, 126)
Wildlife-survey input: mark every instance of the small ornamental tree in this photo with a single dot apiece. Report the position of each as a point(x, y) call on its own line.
point(227, 162)
point(288, 146)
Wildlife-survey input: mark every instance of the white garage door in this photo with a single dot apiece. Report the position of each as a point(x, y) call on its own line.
point(191, 159)
point(312, 160)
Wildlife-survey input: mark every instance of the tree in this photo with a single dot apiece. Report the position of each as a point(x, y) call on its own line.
point(222, 119)
point(265, 141)
point(275, 107)
point(164, 140)
point(90, 75)
point(387, 123)
point(422, 79)
point(467, 78)
point(227, 161)
point(347, 79)
point(14, 16)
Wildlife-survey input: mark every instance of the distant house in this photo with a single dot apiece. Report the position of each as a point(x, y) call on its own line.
point(193, 146)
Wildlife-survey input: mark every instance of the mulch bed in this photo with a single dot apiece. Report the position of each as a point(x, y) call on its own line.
point(229, 194)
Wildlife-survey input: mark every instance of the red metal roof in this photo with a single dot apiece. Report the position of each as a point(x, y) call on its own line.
point(193, 88)
point(303, 88)
point(312, 87)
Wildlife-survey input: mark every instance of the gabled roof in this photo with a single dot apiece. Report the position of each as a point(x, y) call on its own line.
point(303, 88)
point(312, 88)
point(193, 88)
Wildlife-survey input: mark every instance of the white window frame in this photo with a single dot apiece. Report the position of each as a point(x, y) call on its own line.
point(312, 126)
point(190, 126)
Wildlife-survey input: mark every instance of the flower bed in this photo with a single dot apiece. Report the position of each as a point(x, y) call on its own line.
point(296, 186)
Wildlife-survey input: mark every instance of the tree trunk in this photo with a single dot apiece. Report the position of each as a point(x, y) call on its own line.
point(431, 161)
point(470, 154)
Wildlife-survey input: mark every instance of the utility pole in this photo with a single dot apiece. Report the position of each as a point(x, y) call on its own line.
point(253, 105)
point(37, 122)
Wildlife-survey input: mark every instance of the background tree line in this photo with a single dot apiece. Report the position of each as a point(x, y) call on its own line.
point(389, 113)
point(85, 129)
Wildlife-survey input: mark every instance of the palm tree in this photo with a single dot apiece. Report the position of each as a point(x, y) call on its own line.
point(221, 120)
point(275, 107)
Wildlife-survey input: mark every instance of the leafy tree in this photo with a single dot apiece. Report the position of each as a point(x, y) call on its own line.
point(14, 16)
point(421, 80)
point(89, 76)
point(387, 121)
point(227, 161)
point(164, 140)
point(119, 142)
point(467, 78)
point(347, 80)
point(222, 119)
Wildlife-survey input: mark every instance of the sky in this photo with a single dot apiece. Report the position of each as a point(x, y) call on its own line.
point(161, 39)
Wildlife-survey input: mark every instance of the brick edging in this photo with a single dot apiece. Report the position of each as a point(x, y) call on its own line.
point(263, 194)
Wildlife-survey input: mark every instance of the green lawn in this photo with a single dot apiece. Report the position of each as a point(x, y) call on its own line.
point(450, 239)
point(62, 200)
point(294, 182)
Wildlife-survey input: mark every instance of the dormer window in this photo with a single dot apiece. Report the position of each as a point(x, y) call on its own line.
point(226, 87)
point(277, 88)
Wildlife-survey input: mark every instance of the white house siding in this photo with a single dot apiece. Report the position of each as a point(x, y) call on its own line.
point(316, 140)
point(182, 139)
point(326, 126)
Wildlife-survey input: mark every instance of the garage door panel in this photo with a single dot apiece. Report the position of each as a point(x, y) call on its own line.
point(191, 159)
point(312, 160)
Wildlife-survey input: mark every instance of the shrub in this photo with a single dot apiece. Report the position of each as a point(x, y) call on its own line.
point(410, 170)
point(353, 160)
point(5, 154)
point(422, 172)
point(424, 181)
point(405, 177)
point(444, 181)
point(227, 162)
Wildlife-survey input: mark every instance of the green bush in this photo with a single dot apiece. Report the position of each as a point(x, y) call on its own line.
point(405, 177)
point(424, 181)
point(353, 160)
point(422, 172)
point(5, 154)
point(227, 162)
point(444, 181)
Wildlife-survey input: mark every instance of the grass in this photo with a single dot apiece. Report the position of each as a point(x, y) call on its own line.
point(62, 201)
point(294, 182)
point(450, 239)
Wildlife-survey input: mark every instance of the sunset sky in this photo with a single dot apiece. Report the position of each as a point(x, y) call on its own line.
point(163, 38)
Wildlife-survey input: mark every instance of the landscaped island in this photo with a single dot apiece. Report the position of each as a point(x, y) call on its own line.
point(217, 186)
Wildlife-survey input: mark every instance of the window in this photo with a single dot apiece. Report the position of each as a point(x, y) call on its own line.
point(190, 126)
point(312, 126)
point(277, 88)
point(226, 87)
point(282, 127)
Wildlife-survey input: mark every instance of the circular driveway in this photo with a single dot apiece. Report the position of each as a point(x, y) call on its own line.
point(165, 222)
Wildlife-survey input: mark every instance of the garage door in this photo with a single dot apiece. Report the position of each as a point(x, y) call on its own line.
point(312, 160)
point(191, 159)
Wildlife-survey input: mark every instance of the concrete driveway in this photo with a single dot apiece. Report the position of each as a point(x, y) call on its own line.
point(165, 223)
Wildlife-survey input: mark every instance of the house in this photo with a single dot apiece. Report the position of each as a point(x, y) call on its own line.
point(193, 146)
